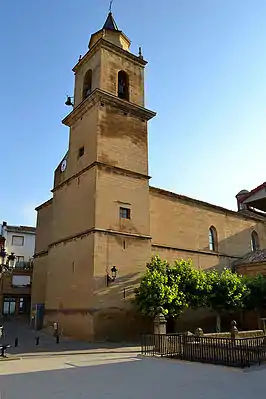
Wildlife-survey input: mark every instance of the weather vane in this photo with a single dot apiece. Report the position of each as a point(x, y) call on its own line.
point(110, 6)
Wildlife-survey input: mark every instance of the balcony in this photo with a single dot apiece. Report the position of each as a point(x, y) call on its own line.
point(25, 266)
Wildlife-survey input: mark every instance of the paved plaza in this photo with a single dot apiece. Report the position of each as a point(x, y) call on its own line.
point(116, 372)
point(124, 375)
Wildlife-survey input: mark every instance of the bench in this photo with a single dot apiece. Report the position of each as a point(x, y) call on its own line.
point(3, 349)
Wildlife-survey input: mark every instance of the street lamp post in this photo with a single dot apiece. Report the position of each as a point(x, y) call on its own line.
point(10, 259)
point(4, 268)
point(2, 257)
point(112, 278)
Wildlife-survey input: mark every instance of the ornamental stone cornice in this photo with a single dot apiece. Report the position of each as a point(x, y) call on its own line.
point(101, 43)
point(109, 99)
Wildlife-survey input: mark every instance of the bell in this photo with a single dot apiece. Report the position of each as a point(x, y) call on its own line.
point(69, 102)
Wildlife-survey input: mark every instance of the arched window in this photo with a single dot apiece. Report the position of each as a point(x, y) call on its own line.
point(87, 84)
point(123, 85)
point(213, 239)
point(255, 245)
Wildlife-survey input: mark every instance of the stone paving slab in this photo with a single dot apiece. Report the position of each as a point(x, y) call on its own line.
point(47, 344)
point(125, 375)
point(82, 370)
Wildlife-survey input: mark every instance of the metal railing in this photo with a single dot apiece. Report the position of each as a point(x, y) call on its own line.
point(23, 265)
point(239, 352)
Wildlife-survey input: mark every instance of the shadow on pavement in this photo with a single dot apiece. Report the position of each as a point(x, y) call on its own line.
point(128, 379)
point(26, 340)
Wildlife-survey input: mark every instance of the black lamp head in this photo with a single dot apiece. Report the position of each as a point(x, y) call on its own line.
point(114, 272)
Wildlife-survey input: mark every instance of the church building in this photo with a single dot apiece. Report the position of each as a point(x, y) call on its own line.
point(104, 221)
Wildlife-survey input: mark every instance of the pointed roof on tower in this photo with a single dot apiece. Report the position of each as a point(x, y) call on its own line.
point(110, 23)
point(110, 33)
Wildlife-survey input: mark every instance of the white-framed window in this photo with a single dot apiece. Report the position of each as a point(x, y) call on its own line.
point(21, 281)
point(124, 213)
point(17, 241)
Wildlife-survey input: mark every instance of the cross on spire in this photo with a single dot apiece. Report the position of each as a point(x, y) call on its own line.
point(110, 6)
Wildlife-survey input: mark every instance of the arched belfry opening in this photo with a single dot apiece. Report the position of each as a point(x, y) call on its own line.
point(123, 85)
point(87, 84)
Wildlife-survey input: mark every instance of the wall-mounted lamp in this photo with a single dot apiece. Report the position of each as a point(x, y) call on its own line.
point(11, 260)
point(112, 278)
point(69, 102)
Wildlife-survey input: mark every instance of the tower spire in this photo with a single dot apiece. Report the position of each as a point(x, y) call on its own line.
point(110, 33)
point(110, 23)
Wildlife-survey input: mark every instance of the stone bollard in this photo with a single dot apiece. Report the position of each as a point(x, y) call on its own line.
point(56, 329)
point(160, 332)
point(56, 332)
point(159, 322)
point(234, 330)
point(198, 334)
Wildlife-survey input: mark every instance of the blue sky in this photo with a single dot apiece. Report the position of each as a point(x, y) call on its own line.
point(205, 79)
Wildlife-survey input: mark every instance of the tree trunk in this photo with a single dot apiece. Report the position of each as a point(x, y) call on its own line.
point(170, 326)
point(218, 322)
point(258, 313)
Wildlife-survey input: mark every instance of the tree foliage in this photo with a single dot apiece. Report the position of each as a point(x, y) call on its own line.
point(171, 287)
point(159, 288)
point(192, 282)
point(255, 298)
point(227, 291)
point(179, 286)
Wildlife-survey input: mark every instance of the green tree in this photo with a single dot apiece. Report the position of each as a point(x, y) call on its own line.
point(255, 298)
point(159, 288)
point(171, 287)
point(192, 282)
point(226, 292)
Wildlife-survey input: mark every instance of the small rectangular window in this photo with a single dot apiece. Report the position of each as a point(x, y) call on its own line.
point(81, 152)
point(20, 281)
point(124, 213)
point(18, 241)
point(20, 259)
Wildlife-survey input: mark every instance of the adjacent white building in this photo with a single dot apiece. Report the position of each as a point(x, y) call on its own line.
point(19, 240)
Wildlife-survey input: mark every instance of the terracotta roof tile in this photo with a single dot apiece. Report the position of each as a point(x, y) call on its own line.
point(256, 189)
point(252, 257)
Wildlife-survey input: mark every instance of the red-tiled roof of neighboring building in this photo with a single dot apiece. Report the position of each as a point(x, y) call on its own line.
point(255, 190)
point(258, 256)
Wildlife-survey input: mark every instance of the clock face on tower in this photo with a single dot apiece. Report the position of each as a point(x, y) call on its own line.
point(63, 165)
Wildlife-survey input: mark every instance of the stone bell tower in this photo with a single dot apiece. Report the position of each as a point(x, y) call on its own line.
point(101, 214)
